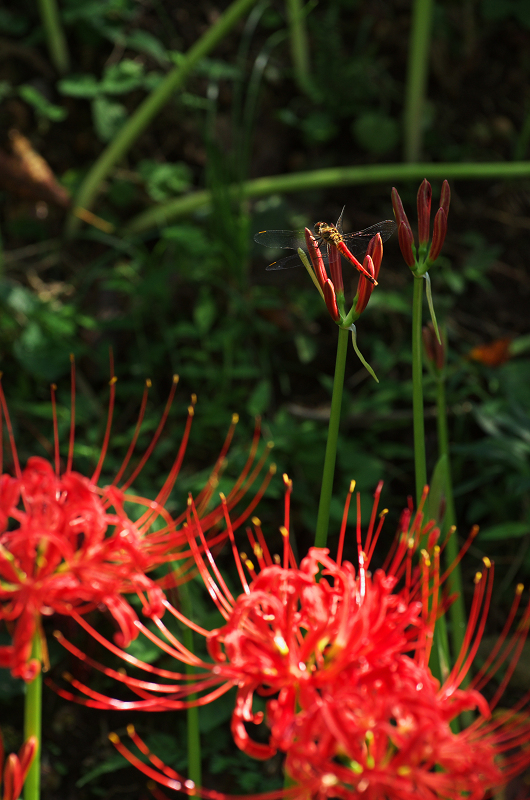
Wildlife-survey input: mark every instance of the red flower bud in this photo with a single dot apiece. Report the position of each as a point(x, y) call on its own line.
point(364, 287)
point(331, 300)
point(335, 268)
point(445, 197)
point(424, 211)
point(438, 235)
point(375, 251)
point(434, 350)
point(399, 211)
point(316, 258)
point(406, 243)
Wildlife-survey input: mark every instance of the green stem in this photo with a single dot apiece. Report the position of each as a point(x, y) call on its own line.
point(457, 612)
point(326, 491)
point(418, 68)
point(152, 104)
point(324, 178)
point(420, 464)
point(299, 45)
point(33, 723)
point(193, 732)
point(55, 38)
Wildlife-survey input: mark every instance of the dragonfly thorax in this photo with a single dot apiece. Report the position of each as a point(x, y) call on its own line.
point(328, 233)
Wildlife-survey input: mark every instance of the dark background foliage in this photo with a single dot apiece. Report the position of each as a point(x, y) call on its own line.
point(191, 296)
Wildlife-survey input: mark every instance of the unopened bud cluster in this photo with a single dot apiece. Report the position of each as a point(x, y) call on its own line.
point(420, 258)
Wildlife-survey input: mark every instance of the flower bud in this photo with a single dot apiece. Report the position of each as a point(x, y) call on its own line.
point(375, 251)
point(364, 287)
point(438, 235)
point(434, 350)
point(445, 197)
point(331, 300)
point(406, 244)
point(424, 212)
point(316, 258)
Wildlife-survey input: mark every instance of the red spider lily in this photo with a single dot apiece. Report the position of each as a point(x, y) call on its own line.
point(344, 656)
point(66, 544)
point(15, 769)
point(421, 259)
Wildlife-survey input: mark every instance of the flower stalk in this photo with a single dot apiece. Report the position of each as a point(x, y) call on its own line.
point(33, 723)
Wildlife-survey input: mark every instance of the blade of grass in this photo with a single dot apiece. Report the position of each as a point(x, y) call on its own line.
point(152, 104)
point(55, 38)
point(324, 178)
point(417, 72)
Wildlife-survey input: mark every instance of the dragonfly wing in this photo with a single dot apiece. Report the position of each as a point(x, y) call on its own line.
point(358, 242)
point(286, 263)
point(286, 240)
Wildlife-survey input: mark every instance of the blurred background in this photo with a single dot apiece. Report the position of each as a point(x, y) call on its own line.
point(136, 157)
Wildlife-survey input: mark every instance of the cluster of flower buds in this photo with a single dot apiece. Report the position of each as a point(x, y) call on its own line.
point(332, 288)
point(14, 770)
point(420, 258)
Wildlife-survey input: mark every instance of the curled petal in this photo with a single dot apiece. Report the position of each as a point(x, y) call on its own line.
point(364, 287)
point(399, 211)
point(445, 197)
point(375, 251)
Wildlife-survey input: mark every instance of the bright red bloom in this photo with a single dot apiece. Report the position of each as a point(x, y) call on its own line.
point(66, 544)
point(15, 769)
point(344, 656)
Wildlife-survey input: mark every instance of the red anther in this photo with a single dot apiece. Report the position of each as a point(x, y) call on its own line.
point(316, 258)
point(364, 287)
point(331, 300)
point(434, 350)
point(438, 235)
point(406, 244)
point(424, 211)
point(335, 269)
point(445, 197)
point(375, 251)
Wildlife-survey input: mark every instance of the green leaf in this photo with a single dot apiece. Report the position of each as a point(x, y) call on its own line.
point(164, 180)
point(123, 77)
point(109, 117)
point(85, 86)
point(41, 105)
point(145, 42)
point(204, 312)
point(260, 398)
point(504, 531)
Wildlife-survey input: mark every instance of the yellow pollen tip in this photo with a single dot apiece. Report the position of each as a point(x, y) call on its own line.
point(410, 543)
point(249, 565)
point(67, 676)
point(474, 530)
point(478, 577)
point(114, 738)
point(403, 771)
point(235, 419)
point(258, 551)
point(193, 399)
point(190, 501)
point(113, 380)
point(223, 497)
point(272, 469)
point(281, 644)
point(148, 382)
point(284, 532)
point(383, 513)
point(256, 521)
point(71, 358)
point(437, 550)
point(53, 387)
point(269, 445)
point(369, 736)
point(451, 530)
point(176, 378)
point(352, 487)
point(243, 556)
point(59, 635)
point(191, 411)
point(487, 562)
point(276, 558)
point(130, 730)
point(519, 589)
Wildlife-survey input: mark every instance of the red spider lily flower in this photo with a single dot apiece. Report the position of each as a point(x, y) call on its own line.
point(66, 543)
point(15, 769)
point(421, 259)
point(344, 655)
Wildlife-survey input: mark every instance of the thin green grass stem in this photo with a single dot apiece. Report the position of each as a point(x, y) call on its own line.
point(457, 612)
point(417, 73)
point(299, 44)
point(328, 474)
point(33, 724)
point(163, 213)
point(420, 464)
point(193, 732)
point(148, 109)
point(55, 38)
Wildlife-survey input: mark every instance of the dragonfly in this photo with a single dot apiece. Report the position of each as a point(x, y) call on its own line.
point(350, 245)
